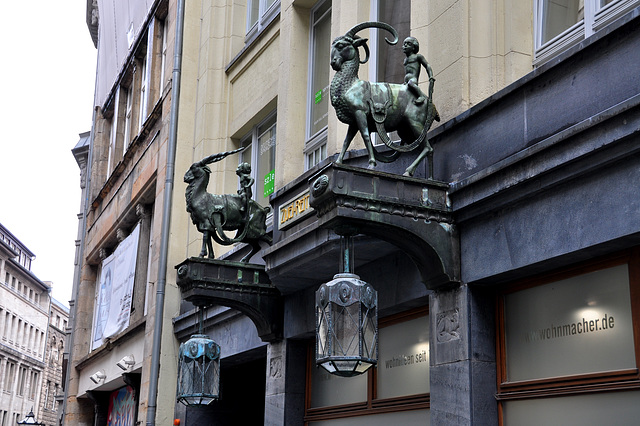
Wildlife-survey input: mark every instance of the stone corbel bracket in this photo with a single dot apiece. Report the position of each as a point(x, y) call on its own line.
point(413, 214)
point(241, 286)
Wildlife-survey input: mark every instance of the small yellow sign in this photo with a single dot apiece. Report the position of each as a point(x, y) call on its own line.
point(294, 210)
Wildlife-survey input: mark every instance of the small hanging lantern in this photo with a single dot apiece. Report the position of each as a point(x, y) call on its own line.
point(198, 369)
point(29, 419)
point(346, 320)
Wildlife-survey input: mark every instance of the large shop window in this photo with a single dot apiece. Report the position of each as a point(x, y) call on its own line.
point(260, 153)
point(559, 24)
point(396, 392)
point(567, 340)
point(318, 91)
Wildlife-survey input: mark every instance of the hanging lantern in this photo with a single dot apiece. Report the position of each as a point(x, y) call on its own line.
point(346, 325)
point(346, 320)
point(29, 419)
point(198, 369)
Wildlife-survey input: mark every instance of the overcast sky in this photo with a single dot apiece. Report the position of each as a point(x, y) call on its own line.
point(47, 74)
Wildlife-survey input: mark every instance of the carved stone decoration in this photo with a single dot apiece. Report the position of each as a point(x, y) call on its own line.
point(448, 326)
point(214, 214)
point(382, 107)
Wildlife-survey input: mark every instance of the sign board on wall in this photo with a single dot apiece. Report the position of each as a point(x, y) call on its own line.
point(115, 290)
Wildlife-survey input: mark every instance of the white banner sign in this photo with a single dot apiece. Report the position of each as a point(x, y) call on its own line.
point(113, 304)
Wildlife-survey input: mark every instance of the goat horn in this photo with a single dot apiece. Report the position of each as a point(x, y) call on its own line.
point(352, 32)
point(219, 156)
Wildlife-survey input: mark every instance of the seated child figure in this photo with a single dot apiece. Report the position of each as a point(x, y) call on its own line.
point(246, 182)
point(412, 64)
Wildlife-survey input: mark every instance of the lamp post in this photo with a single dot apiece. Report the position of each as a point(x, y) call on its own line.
point(346, 320)
point(198, 368)
point(30, 419)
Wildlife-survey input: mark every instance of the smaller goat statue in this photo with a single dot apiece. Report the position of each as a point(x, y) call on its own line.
point(382, 107)
point(213, 214)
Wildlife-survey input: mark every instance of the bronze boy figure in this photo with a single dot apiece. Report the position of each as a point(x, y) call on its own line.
point(412, 64)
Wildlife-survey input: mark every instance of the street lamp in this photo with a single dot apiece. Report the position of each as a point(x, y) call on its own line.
point(198, 369)
point(346, 320)
point(30, 419)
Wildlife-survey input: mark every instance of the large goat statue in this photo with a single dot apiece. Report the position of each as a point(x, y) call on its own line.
point(378, 107)
point(214, 214)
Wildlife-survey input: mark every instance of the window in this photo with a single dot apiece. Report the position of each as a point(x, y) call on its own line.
point(259, 15)
point(260, 153)
point(559, 24)
point(163, 61)
point(115, 149)
point(316, 156)
point(395, 392)
point(387, 61)
point(318, 91)
point(564, 336)
point(142, 116)
point(22, 378)
point(127, 116)
point(9, 376)
point(46, 393)
point(34, 385)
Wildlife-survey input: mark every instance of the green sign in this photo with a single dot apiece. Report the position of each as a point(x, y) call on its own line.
point(318, 96)
point(269, 179)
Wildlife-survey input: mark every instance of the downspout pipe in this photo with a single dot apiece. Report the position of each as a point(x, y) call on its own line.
point(152, 400)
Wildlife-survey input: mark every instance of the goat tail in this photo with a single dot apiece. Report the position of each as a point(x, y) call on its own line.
point(219, 156)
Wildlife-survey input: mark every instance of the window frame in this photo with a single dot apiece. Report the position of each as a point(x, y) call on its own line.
point(250, 142)
point(595, 18)
point(266, 13)
point(319, 138)
point(373, 404)
point(609, 380)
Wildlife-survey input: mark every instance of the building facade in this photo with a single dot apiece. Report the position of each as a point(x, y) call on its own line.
point(24, 317)
point(52, 392)
point(123, 162)
point(525, 309)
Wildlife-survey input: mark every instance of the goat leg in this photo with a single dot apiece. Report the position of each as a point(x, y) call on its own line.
point(351, 133)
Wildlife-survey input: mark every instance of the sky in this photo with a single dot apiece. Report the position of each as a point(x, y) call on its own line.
point(47, 73)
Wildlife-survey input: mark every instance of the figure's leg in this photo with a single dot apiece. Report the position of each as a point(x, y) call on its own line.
point(361, 120)
point(255, 247)
point(210, 246)
point(426, 151)
point(205, 237)
point(413, 87)
point(351, 133)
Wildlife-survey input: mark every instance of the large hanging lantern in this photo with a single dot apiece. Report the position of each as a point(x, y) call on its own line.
point(346, 321)
point(198, 370)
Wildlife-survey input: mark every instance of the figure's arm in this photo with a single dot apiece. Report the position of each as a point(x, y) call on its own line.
point(426, 66)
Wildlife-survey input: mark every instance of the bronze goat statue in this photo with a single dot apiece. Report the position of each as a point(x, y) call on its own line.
point(378, 107)
point(213, 214)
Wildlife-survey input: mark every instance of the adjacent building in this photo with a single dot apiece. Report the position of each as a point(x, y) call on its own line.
point(32, 326)
point(530, 313)
point(52, 392)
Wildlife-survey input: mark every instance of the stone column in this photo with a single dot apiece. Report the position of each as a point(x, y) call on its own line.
point(285, 383)
point(142, 265)
point(462, 352)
